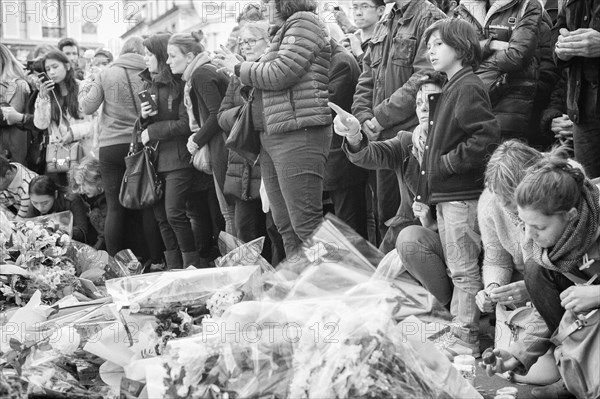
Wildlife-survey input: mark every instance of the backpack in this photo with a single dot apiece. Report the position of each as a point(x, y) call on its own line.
point(577, 353)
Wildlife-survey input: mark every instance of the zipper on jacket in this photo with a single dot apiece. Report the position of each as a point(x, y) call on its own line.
point(292, 99)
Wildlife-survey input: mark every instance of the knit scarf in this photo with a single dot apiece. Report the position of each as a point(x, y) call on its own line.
point(566, 256)
point(201, 59)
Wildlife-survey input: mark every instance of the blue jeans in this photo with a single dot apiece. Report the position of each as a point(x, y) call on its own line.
point(461, 240)
point(447, 265)
point(421, 252)
point(292, 166)
point(586, 133)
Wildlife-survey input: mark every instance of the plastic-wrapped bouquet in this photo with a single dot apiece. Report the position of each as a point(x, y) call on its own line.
point(39, 246)
point(361, 360)
point(167, 292)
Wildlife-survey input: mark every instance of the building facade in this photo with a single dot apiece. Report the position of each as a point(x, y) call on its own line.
point(25, 24)
point(215, 18)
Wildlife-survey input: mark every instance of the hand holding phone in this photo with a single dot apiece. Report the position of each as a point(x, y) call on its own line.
point(46, 84)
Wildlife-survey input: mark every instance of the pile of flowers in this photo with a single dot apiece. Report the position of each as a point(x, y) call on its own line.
point(38, 248)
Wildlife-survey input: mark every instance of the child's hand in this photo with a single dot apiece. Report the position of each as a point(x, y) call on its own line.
point(420, 209)
point(346, 125)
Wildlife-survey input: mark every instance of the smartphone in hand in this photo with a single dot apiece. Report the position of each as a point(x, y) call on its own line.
point(145, 97)
point(43, 77)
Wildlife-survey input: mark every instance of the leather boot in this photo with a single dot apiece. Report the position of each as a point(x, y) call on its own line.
point(193, 259)
point(552, 391)
point(173, 259)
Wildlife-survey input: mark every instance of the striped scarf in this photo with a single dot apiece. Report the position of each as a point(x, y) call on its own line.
point(566, 255)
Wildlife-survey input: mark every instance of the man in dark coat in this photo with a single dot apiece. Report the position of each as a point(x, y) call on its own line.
point(345, 181)
point(578, 49)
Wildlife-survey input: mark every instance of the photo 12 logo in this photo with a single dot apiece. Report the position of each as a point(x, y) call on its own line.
point(69, 11)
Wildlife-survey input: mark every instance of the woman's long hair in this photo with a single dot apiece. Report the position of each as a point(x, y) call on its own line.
point(69, 103)
point(10, 68)
point(157, 45)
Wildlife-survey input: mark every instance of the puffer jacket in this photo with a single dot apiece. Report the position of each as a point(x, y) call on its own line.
point(388, 84)
point(170, 127)
point(293, 75)
point(242, 179)
point(522, 18)
point(571, 16)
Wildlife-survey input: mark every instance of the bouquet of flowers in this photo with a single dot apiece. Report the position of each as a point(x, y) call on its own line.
point(360, 360)
point(39, 247)
point(166, 292)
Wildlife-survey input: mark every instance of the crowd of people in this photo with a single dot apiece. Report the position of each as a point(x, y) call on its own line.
point(428, 130)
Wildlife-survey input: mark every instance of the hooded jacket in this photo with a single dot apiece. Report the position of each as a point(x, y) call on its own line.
point(111, 90)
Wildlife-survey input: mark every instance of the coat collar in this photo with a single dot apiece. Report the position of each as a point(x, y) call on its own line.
point(456, 78)
point(499, 5)
point(408, 11)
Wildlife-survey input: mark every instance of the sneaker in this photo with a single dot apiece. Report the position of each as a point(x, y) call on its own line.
point(452, 346)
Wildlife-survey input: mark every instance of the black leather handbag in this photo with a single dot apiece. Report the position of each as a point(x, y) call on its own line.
point(243, 138)
point(141, 187)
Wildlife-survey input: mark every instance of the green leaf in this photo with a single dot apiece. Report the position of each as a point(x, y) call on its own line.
point(15, 344)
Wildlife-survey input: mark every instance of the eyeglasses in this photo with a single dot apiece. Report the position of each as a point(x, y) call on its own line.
point(249, 42)
point(363, 7)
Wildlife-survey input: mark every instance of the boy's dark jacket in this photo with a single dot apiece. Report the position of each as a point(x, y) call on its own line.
point(463, 133)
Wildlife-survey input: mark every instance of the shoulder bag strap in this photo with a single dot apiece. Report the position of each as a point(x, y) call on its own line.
point(134, 133)
point(578, 324)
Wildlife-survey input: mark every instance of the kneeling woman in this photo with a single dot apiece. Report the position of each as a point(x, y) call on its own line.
point(48, 198)
point(560, 210)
